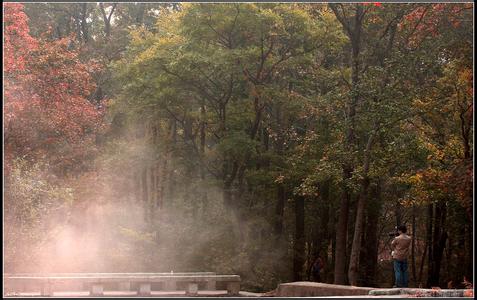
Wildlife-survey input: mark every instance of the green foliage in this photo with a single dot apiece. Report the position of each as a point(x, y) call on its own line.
point(37, 204)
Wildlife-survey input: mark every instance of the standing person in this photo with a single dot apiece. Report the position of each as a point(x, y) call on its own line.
point(316, 269)
point(400, 246)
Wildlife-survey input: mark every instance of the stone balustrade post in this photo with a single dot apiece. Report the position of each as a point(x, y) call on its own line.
point(97, 289)
point(233, 288)
point(46, 289)
point(211, 285)
point(145, 288)
point(192, 289)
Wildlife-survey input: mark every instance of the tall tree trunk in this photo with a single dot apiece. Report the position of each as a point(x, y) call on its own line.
point(228, 179)
point(333, 256)
point(144, 192)
point(372, 242)
point(107, 18)
point(138, 184)
point(398, 213)
point(281, 193)
point(188, 188)
point(421, 267)
point(430, 256)
point(353, 30)
point(321, 231)
point(299, 242)
point(203, 125)
point(150, 194)
point(341, 235)
point(469, 252)
point(171, 186)
point(438, 243)
point(140, 13)
point(358, 233)
point(331, 241)
point(413, 245)
point(77, 21)
point(358, 227)
point(279, 207)
point(84, 24)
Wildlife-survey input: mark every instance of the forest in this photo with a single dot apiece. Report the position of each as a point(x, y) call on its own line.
point(239, 138)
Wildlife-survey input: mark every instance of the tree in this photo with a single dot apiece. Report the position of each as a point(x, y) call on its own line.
point(49, 131)
point(443, 126)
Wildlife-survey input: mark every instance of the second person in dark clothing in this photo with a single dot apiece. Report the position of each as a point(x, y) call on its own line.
point(316, 269)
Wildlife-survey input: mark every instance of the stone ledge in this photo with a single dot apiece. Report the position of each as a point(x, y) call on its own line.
point(310, 289)
point(420, 292)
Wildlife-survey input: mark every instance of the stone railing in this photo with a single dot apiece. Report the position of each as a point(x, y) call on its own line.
point(318, 289)
point(417, 292)
point(96, 282)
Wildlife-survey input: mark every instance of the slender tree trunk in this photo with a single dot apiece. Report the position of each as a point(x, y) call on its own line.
point(188, 188)
point(171, 186)
point(299, 243)
point(107, 18)
point(448, 256)
point(469, 252)
point(353, 30)
point(398, 213)
point(358, 227)
point(331, 241)
point(160, 174)
point(438, 243)
point(341, 235)
point(421, 267)
point(413, 245)
point(145, 192)
point(150, 194)
point(372, 241)
point(77, 21)
point(281, 192)
point(321, 236)
point(164, 181)
point(320, 232)
point(140, 13)
point(203, 188)
point(279, 207)
point(138, 185)
point(333, 256)
point(84, 24)
point(358, 233)
point(466, 126)
point(430, 260)
point(227, 192)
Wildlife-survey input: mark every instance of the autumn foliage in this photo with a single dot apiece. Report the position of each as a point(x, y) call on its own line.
point(17, 42)
point(46, 108)
point(424, 21)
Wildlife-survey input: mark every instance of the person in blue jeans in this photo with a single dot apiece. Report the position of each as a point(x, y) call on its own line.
point(400, 246)
point(401, 274)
